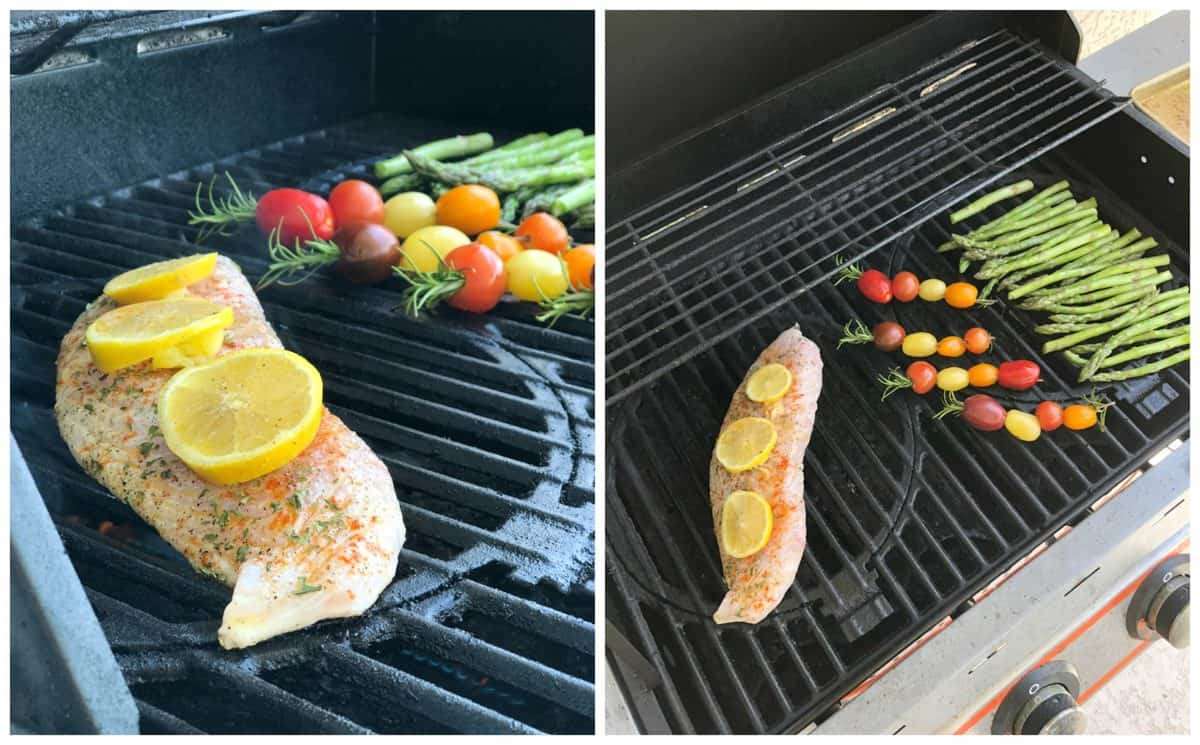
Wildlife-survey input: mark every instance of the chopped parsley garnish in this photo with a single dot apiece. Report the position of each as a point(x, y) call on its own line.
point(306, 588)
point(241, 553)
point(294, 500)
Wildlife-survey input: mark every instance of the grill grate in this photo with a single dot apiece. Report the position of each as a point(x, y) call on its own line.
point(908, 516)
point(955, 124)
point(486, 425)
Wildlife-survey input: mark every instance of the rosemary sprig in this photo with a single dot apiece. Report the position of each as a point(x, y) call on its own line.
point(893, 380)
point(576, 300)
point(855, 332)
point(304, 258)
point(1101, 405)
point(427, 290)
point(222, 212)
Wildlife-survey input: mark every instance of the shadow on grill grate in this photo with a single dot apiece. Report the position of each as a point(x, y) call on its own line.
point(907, 516)
point(486, 425)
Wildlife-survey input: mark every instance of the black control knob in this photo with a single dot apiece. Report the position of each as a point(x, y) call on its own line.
point(1042, 703)
point(1161, 606)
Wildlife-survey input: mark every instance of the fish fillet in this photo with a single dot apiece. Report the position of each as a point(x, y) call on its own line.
point(757, 583)
point(317, 538)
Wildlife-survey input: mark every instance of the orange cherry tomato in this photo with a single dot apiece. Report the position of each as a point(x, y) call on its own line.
point(961, 295)
point(504, 246)
point(905, 286)
point(983, 375)
point(470, 208)
point(1050, 415)
point(543, 231)
point(580, 261)
point(1079, 416)
point(978, 340)
point(923, 376)
point(952, 346)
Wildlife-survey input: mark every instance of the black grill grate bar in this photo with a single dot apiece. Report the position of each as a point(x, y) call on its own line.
point(463, 535)
point(547, 622)
point(705, 341)
point(884, 188)
point(831, 123)
point(455, 712)
point(868, 144)
point(159, 720)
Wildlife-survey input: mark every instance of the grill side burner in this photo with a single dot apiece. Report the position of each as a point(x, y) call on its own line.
point(908, 516)
point(485, 423)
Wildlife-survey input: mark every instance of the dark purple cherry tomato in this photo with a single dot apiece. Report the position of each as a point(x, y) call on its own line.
point(875, 286)
point(984, 413)
point(889, 335)
point(367, 252)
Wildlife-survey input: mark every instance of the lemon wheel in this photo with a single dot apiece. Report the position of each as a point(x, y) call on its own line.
point(746, 524)
point(769, 383)
point(243, 415)
point(160, 279)
point(131, 334)
point(746, 443)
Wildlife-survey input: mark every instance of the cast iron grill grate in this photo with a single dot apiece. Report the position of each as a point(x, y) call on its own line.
point(486, 424)
point(908, 517)
point(955, 124)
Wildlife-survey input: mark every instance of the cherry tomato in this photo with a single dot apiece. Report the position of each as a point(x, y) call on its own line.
point(1079, 416)
point(368, 252)
point(405, 214)
point(952, 379)
point(932, 290)
point(1022, 425)
point(422, 249)
point(581, 260)
point(875, 286)
point(543, 231)
point(470, 208)
point(484, 279)
point(297, 214)
point(355, 201)
point(952, 346)
point(920, 344)
point(504, 245)
point(923, 376)
point(1050, 415)
point(889, 336)
point(984, 413)
point(535, 275)
point(961, 295)
point(1018, 375)
point(978, 340)
point(983, 375)
point(905, 286)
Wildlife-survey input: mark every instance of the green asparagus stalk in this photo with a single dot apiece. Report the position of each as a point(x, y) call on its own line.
point(501, 180)
point(574, 198)
point(1145, 324)
point(543, 198)
point(1163, 299)
point(1060, 260)
point(1041, 255)
point(1103, 257)
point(451, 147)
point(1137, 372)
point(1099, 300)
point(513, 149)
point(1013, 232)
point(585, 216)
point(1097, 329)
point(1181, 338)
point(987, 200)
point(1047, 197)
point(541, 156)
point(1164, 302)
point(1048, 238)
point(1050, 220)
point(1091, 283)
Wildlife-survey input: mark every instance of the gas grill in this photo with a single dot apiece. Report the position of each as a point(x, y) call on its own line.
point(721, 236)
point(485, 422)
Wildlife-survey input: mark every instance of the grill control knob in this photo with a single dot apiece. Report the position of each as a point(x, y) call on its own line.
point(1161, 606)
point(1042, 703)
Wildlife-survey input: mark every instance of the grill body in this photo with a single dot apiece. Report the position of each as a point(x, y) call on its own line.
point(908, 517)
point(485, 422)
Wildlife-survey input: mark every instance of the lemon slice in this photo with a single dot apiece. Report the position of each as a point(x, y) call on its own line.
point(769, 383)
point(242, 415)
point(132, 333)
point(160, 279)
point(198, 349)
point(746, 524)
point(746, 443)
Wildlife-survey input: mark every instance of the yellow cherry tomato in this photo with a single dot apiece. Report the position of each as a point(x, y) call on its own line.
point(405, 214)
point(1022, 425)
point(536, 275)
point(932, 290)
point(953, 379)
point(952, 346)
point(424, 249)
point(983, 375)
point(920, 344)
point(961, 295)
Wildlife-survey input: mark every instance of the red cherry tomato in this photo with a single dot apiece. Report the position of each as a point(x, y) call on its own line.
point(875, 286)
point(356, 201)
point(1018, 375)
point(984, 413)
point(923, 376)
point(1050, 415)
point(483, 274)
point(978, 340)
point(295, 210)
point(905, 286)
point(543, 231)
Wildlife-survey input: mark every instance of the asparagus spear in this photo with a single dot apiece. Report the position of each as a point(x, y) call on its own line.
point(1041, 255)
point(1037, 203)
point(1050, 219)
point(1092, 301)
point(1048, 238)
point(574, 198)
point(1181, 338)
point(1060, 260)
point(500, 180)
point(1103, 258)
point(987, 200)
point(585, 216)
point(514, 149)
point(1097, 329)
point(1164, 302)
point(451, 147)
point(1147, 324)
point(1144, 336)
point(1137, 372)
point(1091, 283)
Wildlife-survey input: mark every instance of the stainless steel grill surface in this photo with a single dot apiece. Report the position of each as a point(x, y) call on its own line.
point(486, 424)
point(908, 516)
